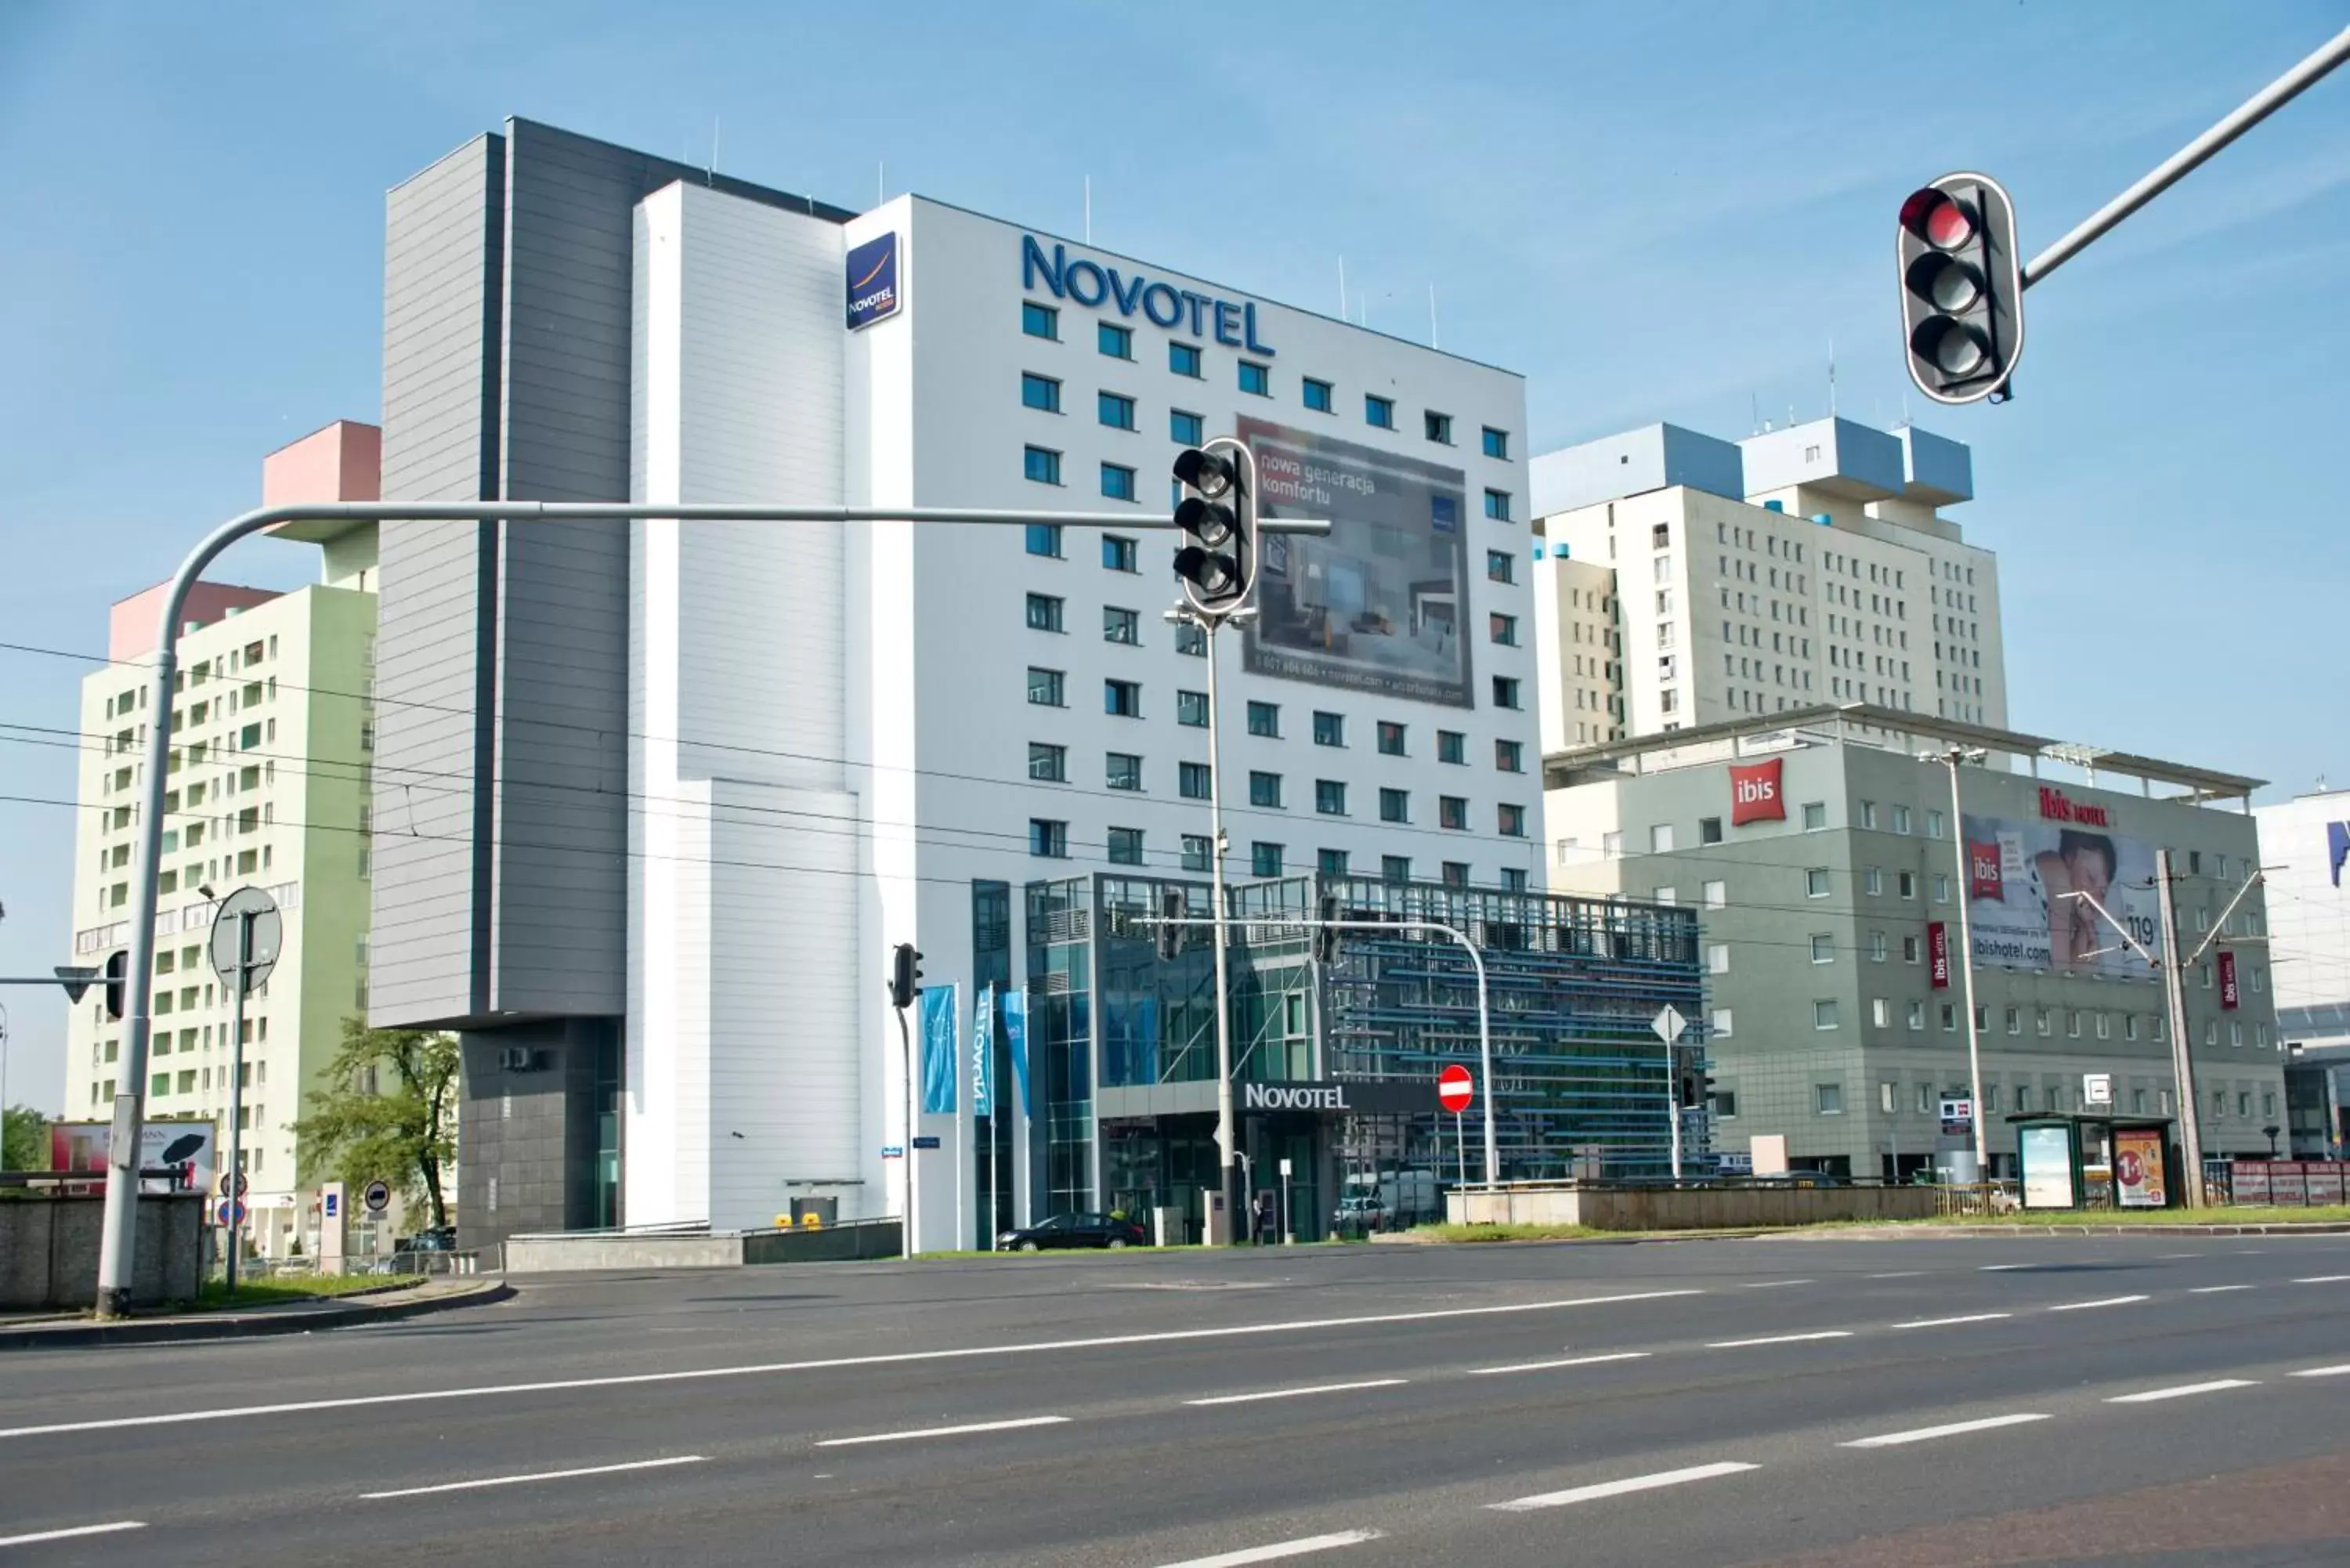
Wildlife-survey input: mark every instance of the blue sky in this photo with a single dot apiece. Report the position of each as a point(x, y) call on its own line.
point(1656, 212)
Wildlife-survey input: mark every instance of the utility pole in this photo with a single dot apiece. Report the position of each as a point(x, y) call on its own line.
point(118, 1238)
point(2182, 1066)
point(1961, 892)
point(1227, 1130)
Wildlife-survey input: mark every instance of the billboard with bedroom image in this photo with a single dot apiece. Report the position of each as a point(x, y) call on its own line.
point(1379, 605)
point(2019, 878)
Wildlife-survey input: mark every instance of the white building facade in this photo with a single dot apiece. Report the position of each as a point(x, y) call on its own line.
point(2305, 850)
point(840, 738)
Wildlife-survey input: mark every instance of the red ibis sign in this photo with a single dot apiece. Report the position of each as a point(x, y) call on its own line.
point(1455, 1088)
point(2230, 997)
point(1755, 793)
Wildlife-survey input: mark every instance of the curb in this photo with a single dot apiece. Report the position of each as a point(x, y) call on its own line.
point(297, 1320)
point(1992, 1232)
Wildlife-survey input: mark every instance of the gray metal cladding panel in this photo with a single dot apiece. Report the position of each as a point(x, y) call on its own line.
point(441, 249)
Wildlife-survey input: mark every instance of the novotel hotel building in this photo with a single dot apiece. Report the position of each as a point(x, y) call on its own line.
point(653, 801)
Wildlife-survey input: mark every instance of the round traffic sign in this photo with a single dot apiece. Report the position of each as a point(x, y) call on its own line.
point(1455, 1088)
point(378, 1195)
point(240, 1181)
point(229, 1212)
point(247, 935)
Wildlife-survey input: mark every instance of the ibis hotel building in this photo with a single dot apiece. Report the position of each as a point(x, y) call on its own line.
point(689, 783)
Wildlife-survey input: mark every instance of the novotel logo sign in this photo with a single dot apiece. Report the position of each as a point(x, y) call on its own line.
point(1332, 1097)
point(1090, 283)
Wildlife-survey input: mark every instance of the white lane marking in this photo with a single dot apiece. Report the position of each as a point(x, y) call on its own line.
point(538, 1476)
point(1570, 1361)
point(1780, 1339)
point(1899, 1274)
point(2003, 1268)
point(1928, 1434)
point(2323, 1280)
point(2326, 1371)
point(70, 1532)
point(1775, 1285)
point(2169, 1255)
point(893, 1358)
point(1947, 1322)
point(1618, 1488)
point(2105, 1300)
point(2182, 1390)
point(1279, 1550)
point(944, 1431)
point(2216, 1290)
point(1294, 1393)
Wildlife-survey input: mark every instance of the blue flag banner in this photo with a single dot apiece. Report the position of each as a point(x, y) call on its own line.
point(982, 1054)
point(1015, 1044)
point(941, 1008)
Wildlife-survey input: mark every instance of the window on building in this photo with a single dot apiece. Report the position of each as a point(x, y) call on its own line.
point(1196, 851)
point(1900, 819)
point(1040, 392)
point(1047, 687)
point(1186, 427)
point(1123, 770)
point(1256, 379)
point(1330, 797)
point(1717, 895)
point(1040, 321)
point(1660, 838)
point(1395, 805)
point(1456, 873)
point(1118, 481)
point(1265, 719)
point(1497, 505)
point(1816, 816)
point(1265, 789)
point(1121, 625)
point(1117, 342)
point(1116, 410)
point(1191, 709)
point(1119, 553)
point(1452, 746)
point(1904, 883)
point(1049, 838)
point(1497, 443)
point(1329, 729)
point(1264, 859)
point(1394, 867)
point(1507, 692)
point(1709, 830)
point(1330, 862)
point(1318, 395)
point(1044, 539)
point(1872, 880)
point(1045, 613)
point(1668, 896)
point(1183, 359)
point(1823, 948)
point(1191, 780)
point(1717, 958)
point(1048, 764)
point(1122, 699)
point(1829, 1099)
point(1190, 639)
point(1510, 821)
point(1391, 738)
point(1502, 629)
point(1500, 567)
point(1438, 427)
point(1041, 465)
point(1378, 413)
point(1815, 882)
point(1509, 756)
point(1452, 811)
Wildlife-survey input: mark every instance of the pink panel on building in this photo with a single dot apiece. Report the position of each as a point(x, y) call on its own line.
point(343, 462)
point(131, 626)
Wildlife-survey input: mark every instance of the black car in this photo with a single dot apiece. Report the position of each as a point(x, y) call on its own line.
point(1075, 1231)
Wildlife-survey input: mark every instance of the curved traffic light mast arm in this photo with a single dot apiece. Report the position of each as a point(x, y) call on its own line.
point(119, 1235)
point(2172, 170)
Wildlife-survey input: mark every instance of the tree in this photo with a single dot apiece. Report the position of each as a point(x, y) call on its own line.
point(24, 1144)
point(386, 1110)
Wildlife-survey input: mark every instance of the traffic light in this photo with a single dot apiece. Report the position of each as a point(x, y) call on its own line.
point(1171, 934)
point(1325, 934)
point(1962, 288)
point(118, 973)
point(1217, 561)
point(905, 975)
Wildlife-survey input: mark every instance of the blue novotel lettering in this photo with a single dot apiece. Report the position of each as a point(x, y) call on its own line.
point(1093, 285)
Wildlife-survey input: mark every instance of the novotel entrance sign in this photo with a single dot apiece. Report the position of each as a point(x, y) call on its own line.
point(1339, 1098)
point(1093, 285)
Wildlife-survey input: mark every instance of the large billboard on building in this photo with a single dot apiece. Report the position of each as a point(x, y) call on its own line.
point(187, 1149)
point(2019, 875)
point(1382, 604)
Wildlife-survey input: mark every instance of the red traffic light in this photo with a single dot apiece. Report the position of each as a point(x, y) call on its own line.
point(1939, 218)
point(1961, 288)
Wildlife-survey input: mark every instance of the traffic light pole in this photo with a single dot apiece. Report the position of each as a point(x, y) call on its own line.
point(1227, 1143)
point(232, 1189)
point(2172, 170)
point(1951, 759)
point(118, 1236)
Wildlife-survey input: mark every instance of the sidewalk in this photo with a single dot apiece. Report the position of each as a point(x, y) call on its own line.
point(76, 1331)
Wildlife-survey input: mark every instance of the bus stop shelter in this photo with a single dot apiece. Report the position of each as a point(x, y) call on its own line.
point(2086, 1161)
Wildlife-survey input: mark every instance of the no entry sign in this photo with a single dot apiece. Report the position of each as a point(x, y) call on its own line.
point(1455, 1088)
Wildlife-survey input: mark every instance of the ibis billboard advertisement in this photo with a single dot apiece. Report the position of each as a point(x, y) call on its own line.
point(2020, 878)
point(1381, 604)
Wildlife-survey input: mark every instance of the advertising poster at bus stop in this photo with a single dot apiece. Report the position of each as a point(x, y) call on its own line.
point(2047, 1157)
point(2137, 1168)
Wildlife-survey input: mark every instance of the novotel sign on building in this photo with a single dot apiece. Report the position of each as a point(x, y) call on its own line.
point(1232, 323)
point(1339, 1098)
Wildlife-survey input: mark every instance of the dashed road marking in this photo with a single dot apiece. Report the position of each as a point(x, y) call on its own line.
point(944, 1431)
point(1619, 1488)
point(1570, 1361)
point(2150, 1395)
point(1279, 1550)
point(1294, 1393)
point(1948, 1321)
point(1780, 1339)
point(2100, 1301)
point(1954, 1429)
point(536, 1476)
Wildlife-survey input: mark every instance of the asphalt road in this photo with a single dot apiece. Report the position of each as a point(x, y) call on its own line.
point(1780, 1402)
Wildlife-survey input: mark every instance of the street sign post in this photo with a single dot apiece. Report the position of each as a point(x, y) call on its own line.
point(1668, 1024)
point(233, 1185)
point(1455, 1088)
point(247, 934)
point(229, 1212)
point(377, 1195)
